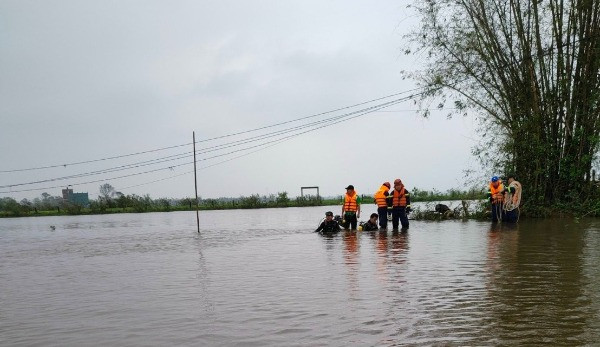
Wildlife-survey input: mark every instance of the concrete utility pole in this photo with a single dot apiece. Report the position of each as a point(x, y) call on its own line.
point(196, 181)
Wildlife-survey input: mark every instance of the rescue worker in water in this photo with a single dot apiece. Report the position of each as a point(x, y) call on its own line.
point(496, 197)
point(381, 202)
point(351, 208)
point(329, 225)
point(400, 205)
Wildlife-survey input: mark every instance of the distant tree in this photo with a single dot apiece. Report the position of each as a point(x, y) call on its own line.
point(107, 191)
point(188, 202)
point(26, 205)
point(530, 71)
point(122, 201)
point(252, 201)
point(164, 204)
point(10, 205)
point(282, 199)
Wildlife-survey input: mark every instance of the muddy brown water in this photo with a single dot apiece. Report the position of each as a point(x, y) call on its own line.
point(263, 278)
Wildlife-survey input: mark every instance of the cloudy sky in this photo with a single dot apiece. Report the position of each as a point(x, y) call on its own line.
point(85, 81)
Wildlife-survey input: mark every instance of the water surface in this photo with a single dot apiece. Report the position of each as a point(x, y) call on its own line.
point(262, 278)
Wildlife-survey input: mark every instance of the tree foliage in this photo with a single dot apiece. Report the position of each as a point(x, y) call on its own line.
point(529, 70)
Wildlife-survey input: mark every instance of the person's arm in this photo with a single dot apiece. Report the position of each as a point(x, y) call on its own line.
point(358, 201)
point(510, 189)
point(321, 227)
point(408, 209)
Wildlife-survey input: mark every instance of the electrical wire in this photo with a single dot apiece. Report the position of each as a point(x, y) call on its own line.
point(334, 119)
point(273, 142)
point(205, 140)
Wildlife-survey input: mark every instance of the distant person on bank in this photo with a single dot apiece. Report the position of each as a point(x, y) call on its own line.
point(351, 208)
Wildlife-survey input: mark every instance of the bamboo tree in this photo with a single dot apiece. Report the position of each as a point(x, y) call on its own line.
point(529, 70)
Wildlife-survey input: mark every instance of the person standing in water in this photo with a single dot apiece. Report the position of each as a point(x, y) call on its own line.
point(512, 200)
point(496, 197)
point(400, 205)
point(351, 208)
point(382, 206)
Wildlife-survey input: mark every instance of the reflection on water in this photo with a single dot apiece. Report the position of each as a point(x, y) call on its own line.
point(262, 277)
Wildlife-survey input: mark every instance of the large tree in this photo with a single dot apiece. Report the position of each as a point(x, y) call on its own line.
point(529, 71)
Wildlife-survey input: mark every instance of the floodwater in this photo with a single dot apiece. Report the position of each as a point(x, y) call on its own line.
point(263, 278)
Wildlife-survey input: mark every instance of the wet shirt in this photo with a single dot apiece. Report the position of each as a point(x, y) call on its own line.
point(368, 226)
point(329, 227)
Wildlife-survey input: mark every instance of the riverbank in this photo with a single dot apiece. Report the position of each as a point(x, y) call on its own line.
point(421, 210)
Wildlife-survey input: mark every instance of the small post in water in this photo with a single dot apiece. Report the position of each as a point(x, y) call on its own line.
point(196, 182)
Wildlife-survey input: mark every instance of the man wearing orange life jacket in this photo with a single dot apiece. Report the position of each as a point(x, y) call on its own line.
point(351, 208)
point(496, 197)
point(381, 202)
point(400, 205)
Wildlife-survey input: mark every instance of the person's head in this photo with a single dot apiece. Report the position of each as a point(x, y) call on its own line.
point(398, 184)
point(510, 178)
point(495, 181)
point(387, 184)
point(329, 215)
point(374, 217)
point(349, 189)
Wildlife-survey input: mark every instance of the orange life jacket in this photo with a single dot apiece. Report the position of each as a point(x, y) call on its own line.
point(380, 196)
point(497, 193)
point(350, 204)
point(399, 198)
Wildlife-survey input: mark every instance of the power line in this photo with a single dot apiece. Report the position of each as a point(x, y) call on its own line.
point(210, 139)
point(213, 148)
point(273, 142)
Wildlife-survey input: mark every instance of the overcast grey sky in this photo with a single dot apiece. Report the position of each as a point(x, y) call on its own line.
point(86, 80)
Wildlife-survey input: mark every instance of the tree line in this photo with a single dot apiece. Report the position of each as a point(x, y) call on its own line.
point(112, 201)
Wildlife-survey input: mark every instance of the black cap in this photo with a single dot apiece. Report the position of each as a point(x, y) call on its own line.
point(329, 213)
point(350, 187)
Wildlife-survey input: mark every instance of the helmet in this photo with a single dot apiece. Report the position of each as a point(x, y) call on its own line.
point(329, 213)
point(397, 181)
point(387, 184)
point(495, 179)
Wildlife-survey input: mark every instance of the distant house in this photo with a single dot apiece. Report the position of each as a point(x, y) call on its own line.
point(80, 199)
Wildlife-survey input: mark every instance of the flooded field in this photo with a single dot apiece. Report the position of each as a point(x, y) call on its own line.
point(263, 278)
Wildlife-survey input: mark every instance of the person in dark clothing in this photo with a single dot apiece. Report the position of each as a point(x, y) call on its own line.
point(329, 225)
point(371, 224)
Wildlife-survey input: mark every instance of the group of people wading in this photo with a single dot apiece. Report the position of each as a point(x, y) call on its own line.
point(505, 200)
point(393, 206)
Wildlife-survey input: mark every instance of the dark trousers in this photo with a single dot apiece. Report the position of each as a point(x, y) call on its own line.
point(382, 212)
point(497, 213)
point(350, 218)
point(399, 213)
point(511, 216)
